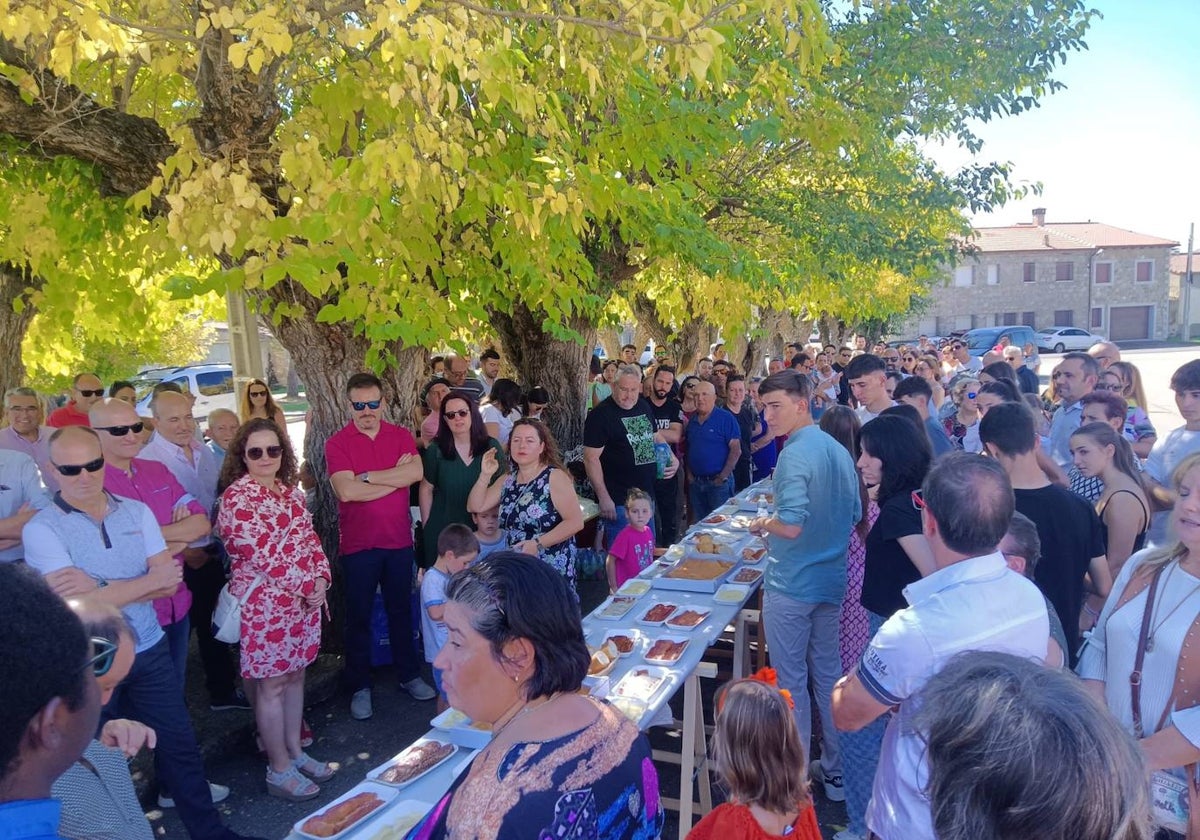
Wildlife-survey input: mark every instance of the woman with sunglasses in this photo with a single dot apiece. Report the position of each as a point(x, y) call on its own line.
point(930, 369)
point(538, 507)
point(908, 361)
point(278, 565)
point(258, 402)
point(1124, 380)
point(451, 464)
point(966, 414)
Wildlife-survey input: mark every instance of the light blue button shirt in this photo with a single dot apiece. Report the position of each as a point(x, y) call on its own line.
point(1062, 425)
point(816, 488)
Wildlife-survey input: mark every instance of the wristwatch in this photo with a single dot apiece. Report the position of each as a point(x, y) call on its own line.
point(101, 583)
point(364, 477)
point(538, 542)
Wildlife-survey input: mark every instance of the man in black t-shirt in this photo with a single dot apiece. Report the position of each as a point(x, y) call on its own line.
point(1070, 532)
point(668, 423)
point(618, 448)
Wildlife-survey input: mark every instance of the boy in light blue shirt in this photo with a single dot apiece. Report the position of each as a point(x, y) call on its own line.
point(457, 548)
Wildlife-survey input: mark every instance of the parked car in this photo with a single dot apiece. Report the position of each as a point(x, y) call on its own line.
point(983, 339)
point(212, 386)
point(1065, 339)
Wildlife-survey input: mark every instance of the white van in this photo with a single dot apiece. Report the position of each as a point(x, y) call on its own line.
point(212, 385)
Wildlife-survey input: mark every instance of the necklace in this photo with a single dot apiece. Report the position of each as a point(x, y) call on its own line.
point(1155, 627)
point(527, 707)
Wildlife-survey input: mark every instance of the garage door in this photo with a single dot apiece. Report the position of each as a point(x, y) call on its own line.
point(1129, 322)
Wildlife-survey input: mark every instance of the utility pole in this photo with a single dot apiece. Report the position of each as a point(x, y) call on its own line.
point(245, 352)
point(1186, 286)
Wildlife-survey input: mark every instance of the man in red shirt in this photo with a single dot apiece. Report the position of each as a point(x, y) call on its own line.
point(86, 391)
point(371, 465)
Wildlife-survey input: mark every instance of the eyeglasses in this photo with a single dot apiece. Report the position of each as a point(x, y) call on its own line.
point(121, 431)
point(454, 415)
point(918, 501)
point(104, 653)
point(99, 392)
point(360, 406)
point(910, 358)
point(258, 393)
point(255, 453)
point(971, 395)
point(1115, 388)
point(72, 470)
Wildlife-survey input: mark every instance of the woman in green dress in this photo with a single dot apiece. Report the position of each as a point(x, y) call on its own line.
point(452, 468)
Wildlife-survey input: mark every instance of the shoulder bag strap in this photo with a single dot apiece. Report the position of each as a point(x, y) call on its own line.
point(1135, 676)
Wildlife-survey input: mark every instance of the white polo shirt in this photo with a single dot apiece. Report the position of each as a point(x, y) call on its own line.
point(975, 604)
point(20, 484)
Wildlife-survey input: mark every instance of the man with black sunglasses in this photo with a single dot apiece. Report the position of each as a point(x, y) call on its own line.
point(86, 391)
point(372, 464)
point(91, 544)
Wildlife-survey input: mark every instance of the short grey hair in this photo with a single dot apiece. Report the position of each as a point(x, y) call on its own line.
point(21, 391)
point(1025, 539)
point(971, 499)
point(217, 413)
point(1019, 750)
point(629, 370)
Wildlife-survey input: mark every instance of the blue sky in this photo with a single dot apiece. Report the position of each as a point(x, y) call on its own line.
point(1121, 144)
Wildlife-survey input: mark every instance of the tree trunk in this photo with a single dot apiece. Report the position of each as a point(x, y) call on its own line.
point(561, 367)
point(325, 356)
point(293, 380)
point(13, 324)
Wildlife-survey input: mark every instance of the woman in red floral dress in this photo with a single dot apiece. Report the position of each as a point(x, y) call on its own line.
point(275, 556)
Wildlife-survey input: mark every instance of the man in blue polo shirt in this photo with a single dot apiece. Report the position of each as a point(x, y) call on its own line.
point(714, 442)
point(91, 544)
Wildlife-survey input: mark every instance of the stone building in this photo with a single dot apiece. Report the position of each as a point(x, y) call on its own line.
point(1185, 295)
point(1046, 274)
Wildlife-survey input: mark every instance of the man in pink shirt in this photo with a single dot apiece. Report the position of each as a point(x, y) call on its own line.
point(371, 466)
point(86, 391)
point(181, 518)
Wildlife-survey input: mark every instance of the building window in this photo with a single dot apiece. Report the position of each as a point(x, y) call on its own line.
point(993, 275)
point(1064, 317)
point(1097, 317)
point(1009, 320)
point(1029, 272)
point(1064, 271)
point(1104, 272)
point(1027, 318)
point(963, 275)
point(1145, 271)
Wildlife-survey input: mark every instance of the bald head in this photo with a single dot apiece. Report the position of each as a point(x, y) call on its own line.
point(119, 429)
point(173, 417)
point(112, 412)
point(71, 448)
point(1105, 353)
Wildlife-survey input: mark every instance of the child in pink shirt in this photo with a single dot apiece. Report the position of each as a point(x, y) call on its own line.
point(633, 549)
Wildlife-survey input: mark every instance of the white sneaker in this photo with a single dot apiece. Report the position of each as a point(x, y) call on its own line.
point(832, 785)
point(218, 792)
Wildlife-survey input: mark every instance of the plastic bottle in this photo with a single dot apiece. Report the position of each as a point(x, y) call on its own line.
point(662, 454)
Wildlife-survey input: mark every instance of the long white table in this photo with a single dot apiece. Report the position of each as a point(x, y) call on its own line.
point(685, 673)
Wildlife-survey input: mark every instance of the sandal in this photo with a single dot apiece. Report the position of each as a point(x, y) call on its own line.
point(291, 785)
point(318, 771)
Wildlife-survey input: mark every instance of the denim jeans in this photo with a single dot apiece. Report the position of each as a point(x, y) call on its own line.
point(706, 495)
point(612, 527)
point(177, 642)
point(391, 571)
point(152, 695)
point(803, 640)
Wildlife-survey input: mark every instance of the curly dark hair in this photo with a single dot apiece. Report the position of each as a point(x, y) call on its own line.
point(235, 463)
point(45, 649)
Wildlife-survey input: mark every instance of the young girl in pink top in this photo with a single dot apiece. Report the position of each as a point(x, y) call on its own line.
point(633, 549)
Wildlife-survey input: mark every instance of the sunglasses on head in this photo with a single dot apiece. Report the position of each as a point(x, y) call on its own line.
point(255, 453)
point(258, 393)
point(918, 500)
point(360, 406)
point(72, 470)
point(454, 415)
point(99, 392)
point(104, 653)
point(121, 431)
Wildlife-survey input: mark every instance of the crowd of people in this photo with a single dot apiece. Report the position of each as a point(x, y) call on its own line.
point(925, 607)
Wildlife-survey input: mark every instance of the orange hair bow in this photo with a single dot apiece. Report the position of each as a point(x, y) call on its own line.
point(768, 676)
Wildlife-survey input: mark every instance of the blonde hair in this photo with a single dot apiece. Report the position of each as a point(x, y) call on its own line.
point(1131, 379)
point(245, 407)
point(757, 750)
point(1177, 551)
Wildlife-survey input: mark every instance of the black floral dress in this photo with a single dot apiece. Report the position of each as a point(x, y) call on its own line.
point(527, 511)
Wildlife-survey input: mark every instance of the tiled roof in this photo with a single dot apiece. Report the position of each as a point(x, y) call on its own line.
point(1179, 264)
point(1063, 236)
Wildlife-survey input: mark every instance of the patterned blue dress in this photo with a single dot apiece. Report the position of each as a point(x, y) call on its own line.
point(527, 511)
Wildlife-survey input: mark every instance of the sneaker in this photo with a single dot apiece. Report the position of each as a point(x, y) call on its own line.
point(360, 705)
point(218, 792)
point(419, 689)
point(833, 784)
point(235, 700)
